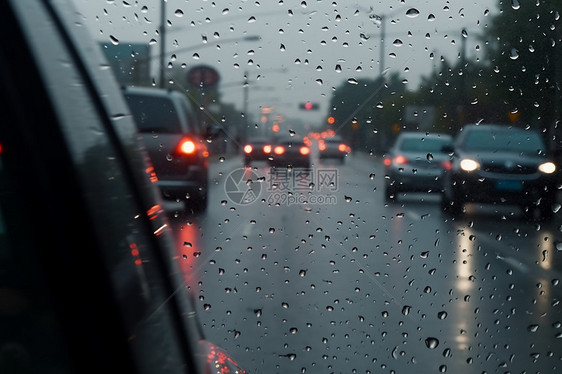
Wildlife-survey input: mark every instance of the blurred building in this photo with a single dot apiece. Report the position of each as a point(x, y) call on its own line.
point(130, 62)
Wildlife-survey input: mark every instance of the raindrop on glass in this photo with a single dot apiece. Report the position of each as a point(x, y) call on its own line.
point(412, 12)
point(431, 343)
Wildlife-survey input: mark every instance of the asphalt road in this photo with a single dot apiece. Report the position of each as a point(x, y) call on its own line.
point(294, 275)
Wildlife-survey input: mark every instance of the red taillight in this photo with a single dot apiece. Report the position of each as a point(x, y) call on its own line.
point(187, 147)
point(267, 148)
point(304, 150)
point(279, 150)
point(322, 145)
point(447, 165)
point(342, 147)
point(248, 148)
point(387, 162)
point(400, 160)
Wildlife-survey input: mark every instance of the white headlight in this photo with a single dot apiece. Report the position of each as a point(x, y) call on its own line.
point(547, 168)
point(469, 165)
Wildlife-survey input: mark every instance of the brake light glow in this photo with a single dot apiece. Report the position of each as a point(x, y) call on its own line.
point(279, 150)
point(187, 147)
point(267, 148)
point(304, 150)
point(387, 161)
point(447, 165)
point(248, 148)
point(400, 160)
point(342, 147)
point(321, 145)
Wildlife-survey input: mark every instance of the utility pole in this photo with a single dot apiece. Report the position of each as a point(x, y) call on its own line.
point(246, 88)
point(162, 42)
point(462, 88)
point(383, 37)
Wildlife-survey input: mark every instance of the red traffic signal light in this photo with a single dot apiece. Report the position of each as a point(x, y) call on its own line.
point(309, 106)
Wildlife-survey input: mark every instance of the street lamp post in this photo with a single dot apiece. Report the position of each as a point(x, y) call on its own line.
point(382, 19)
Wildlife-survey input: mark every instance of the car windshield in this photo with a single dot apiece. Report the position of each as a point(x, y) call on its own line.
point(325, 260)
point(504, 141)
point(423, 144)
point(154, 114)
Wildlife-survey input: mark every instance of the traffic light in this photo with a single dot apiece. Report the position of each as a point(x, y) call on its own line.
point(309, 106)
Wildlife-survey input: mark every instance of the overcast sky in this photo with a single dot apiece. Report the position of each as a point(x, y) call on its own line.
point(307, 48)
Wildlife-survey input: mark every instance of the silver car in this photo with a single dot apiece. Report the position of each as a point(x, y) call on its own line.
point(174, 141)
point(416, 163)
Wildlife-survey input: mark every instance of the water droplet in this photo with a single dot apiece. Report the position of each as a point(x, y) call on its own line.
point(429, 157)
point(397, 43)
point(515, 4)
point(285, 305)
point(178, 13)
point(514, 54)
point(533, 328)
point(406, 310)
point(114, 40)
point(431, 343)
point(352, 81)
point(412, 12)
point(442, 315)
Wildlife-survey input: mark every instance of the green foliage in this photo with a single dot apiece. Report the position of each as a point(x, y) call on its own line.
point(522, 46)
point(359, 111)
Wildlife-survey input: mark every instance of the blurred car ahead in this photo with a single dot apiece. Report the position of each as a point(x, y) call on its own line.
point(416, 162)
point(500, 164)
point(101, 290)
point(333, 148)
point(256, 149)
point(290, 152)
point(174, 142)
